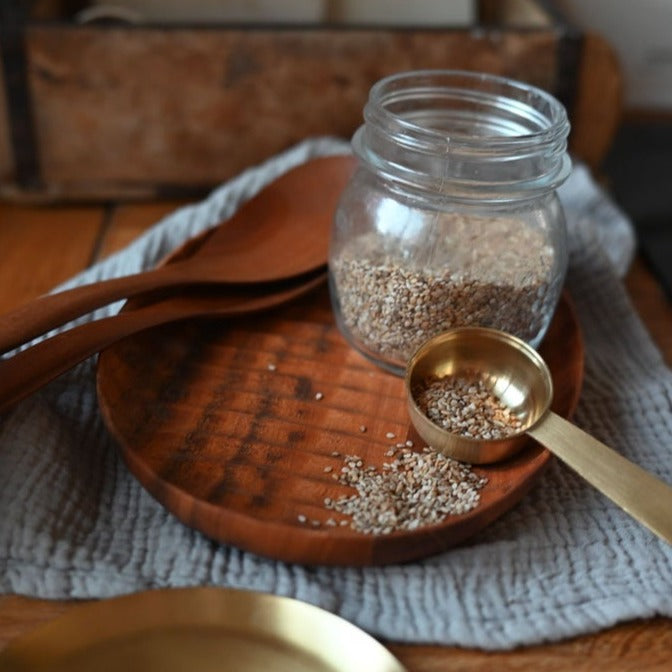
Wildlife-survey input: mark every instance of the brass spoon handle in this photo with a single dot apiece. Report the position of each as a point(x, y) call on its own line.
point(31, 369)
point(636, 491)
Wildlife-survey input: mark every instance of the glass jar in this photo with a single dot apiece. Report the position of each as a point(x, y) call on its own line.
point(451, 218)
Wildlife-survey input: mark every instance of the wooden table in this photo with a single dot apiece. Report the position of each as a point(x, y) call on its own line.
point(42, 246)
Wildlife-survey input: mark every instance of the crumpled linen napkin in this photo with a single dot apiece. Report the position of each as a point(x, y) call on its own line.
point(565, 561)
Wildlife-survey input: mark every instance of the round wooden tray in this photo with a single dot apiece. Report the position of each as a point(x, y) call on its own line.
point(219, 421)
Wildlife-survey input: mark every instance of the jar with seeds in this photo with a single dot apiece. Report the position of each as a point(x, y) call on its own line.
point(452, 217)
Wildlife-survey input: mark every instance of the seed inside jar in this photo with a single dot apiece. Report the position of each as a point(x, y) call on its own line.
point(489, 272)
point(465, 405)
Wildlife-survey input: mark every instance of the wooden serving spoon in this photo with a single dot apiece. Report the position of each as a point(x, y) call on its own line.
point(30, 369)
point(281, 232)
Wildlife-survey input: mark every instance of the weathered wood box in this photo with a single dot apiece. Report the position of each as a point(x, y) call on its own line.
point(113, 110)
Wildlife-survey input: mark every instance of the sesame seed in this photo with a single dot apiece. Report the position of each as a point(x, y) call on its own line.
point(272, 367)
point(301, 518)
point(362, 428)
point(465, 405)
point(327, 470)
point(414, 490)
point(390, 435)
point(391, 308)
point(319, 396)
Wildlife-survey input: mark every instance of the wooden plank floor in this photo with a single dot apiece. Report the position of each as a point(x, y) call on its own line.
point(42, 246)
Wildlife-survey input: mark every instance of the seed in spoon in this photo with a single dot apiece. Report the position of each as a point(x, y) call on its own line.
point(465, 405)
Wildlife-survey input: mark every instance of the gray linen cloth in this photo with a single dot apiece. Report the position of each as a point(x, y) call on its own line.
point(565, 561)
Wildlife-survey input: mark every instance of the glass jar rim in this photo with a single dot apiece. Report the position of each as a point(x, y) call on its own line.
point(483, 88)
point(465, 131)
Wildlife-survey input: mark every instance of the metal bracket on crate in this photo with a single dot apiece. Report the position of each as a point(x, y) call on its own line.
point(14, 63)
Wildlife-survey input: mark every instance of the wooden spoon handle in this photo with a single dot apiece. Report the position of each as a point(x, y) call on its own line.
point(53, 310)
point(30, 369)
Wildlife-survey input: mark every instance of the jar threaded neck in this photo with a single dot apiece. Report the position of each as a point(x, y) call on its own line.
point(465, 134)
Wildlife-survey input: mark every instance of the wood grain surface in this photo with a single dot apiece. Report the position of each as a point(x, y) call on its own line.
point(297, 83)
point(638, 645)
point(41, 248)
point(294, 211)
point(243, 452)
point(270, 87)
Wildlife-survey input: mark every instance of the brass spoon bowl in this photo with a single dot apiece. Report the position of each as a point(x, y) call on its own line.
point(518, 376)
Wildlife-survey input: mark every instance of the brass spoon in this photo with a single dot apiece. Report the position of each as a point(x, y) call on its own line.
point(519, 377)
point(30, 369)
point(281, 232)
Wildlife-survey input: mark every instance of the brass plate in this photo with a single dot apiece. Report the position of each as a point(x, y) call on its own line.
point(198, 629)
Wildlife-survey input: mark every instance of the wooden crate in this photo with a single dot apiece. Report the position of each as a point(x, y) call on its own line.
point(121, 111)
